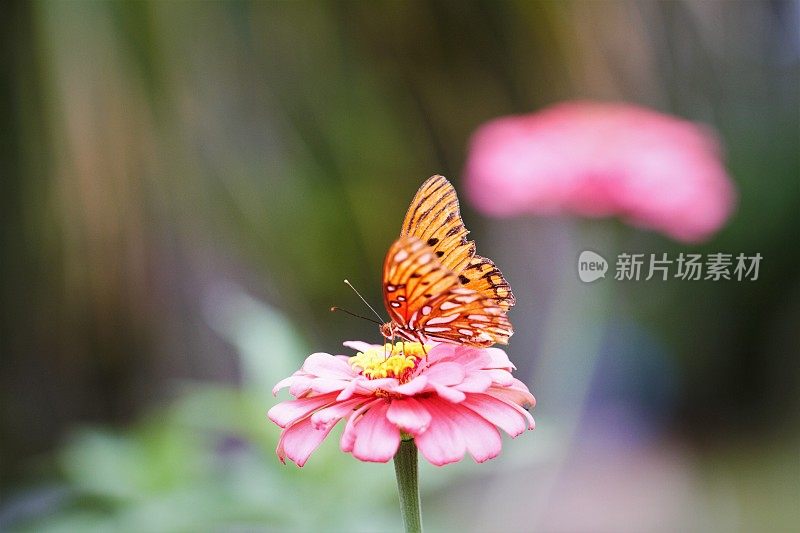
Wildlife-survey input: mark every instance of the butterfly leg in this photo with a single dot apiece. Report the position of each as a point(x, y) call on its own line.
point(422, 343)
point(385, 348)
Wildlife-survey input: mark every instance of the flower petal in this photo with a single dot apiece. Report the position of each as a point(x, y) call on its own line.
point(448, 393)
point(476, 360)
point(501, 377)
point(377, 439)
point(296, 382)
point(301, 386)
point(348, 391)
point(361, 346)
point(442, 442)
point(330, 415)
point(285, 413)
point(415, 386)
point(475, 382)
point(299, 441)
point(446, 373)
point(515, 166)
point(371, 385)
point(349, 435)
point(517, 393)
point(499, 359)
point(442, 351)
point(409, 415)
point(507, 417)
point(429, 406)
point(327, 366)
point(326, 385)
point(482, 438)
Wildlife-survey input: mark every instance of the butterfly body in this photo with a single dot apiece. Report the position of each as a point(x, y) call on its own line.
point(434, 285)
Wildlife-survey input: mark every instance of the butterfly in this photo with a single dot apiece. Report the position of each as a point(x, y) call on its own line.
point(434, 284)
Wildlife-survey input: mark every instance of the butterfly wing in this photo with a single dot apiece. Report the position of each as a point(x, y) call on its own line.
point(465, 316)
point(426, 299)
point(411, 277)
point(435, 219)
point(483, 276)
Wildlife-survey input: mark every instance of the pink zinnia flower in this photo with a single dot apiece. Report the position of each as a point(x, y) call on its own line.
point(450, 402)
point(653, 170)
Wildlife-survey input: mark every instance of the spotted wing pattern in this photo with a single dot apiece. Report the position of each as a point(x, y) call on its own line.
point(427, 300)
point(435, 219)
point(483, 276)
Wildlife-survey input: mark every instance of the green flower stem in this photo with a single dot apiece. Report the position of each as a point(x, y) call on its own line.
point(405, 467)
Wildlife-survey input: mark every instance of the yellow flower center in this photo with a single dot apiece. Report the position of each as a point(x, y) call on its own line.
point(391, 361)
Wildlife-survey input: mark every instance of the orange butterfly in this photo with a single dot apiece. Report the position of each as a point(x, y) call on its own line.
point(434, 285)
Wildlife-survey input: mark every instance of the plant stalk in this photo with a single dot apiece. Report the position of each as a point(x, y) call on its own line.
point(405, 467)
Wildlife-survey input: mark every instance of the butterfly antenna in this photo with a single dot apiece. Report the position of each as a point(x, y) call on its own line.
point(334, 308)
point(363, 300)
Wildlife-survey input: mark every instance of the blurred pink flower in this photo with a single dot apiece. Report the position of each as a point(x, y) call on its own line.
point(449, 402)
point(653, 170)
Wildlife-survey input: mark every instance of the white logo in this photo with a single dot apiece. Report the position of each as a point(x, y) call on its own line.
point(591, 266)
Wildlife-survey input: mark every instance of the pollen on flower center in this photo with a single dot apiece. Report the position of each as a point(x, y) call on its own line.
point(391, 361)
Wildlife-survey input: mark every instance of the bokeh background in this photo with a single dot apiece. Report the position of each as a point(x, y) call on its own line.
point(184, 187)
